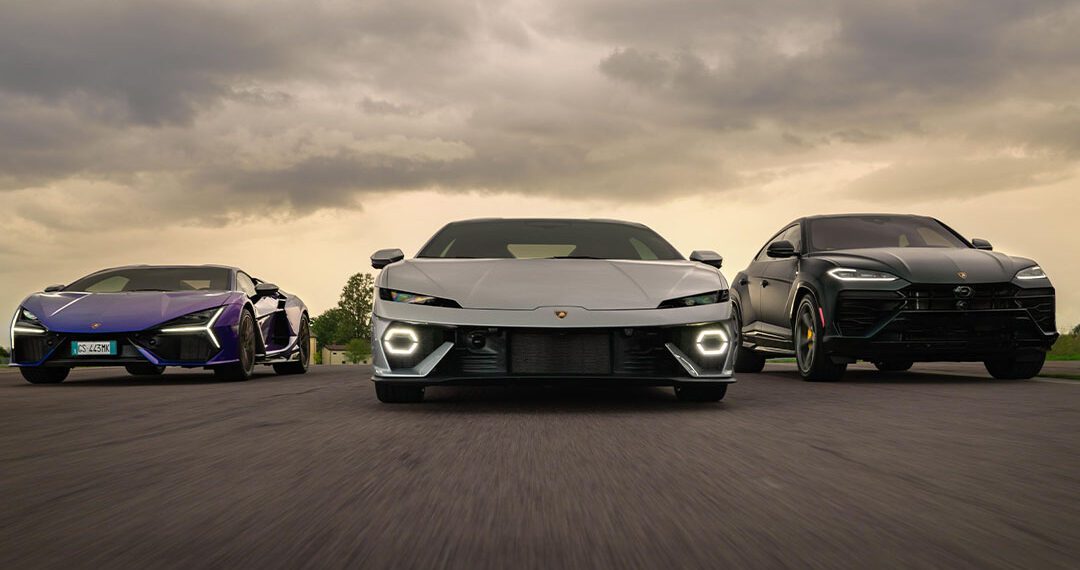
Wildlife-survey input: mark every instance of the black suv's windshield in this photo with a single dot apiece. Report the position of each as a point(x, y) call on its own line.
point(154, 279)
point(547, 239)
point(854, 232)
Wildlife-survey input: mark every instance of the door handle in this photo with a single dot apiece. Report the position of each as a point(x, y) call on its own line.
point(764, 282)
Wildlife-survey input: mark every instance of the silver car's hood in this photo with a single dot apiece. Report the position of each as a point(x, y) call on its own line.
point(531, 283)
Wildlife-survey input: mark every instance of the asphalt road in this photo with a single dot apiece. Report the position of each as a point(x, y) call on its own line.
point(903, 470)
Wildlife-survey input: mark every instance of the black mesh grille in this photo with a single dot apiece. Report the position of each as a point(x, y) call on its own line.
point(558, 352)
point(859, 312)
point(980, 297)
point(182, 347)
point(29, 349)
point(977, 329)
point(480, 351)
point(1041, 304)
point(642, 353)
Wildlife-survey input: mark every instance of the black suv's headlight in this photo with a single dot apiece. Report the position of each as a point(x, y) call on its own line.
point(710, 298)
point(194, 323)
point(1033, 272)
point(416, 299)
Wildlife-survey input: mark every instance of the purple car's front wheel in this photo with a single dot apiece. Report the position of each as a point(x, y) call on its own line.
point(245, 365)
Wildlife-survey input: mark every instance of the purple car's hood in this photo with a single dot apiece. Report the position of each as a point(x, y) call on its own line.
point(117, 312)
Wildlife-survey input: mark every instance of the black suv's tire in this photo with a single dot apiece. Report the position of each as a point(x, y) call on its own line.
point(1014, 368)
point(710, 392)
point(391, 394)
point(746, 360)
point(144, 370)
point(894, 365)
point(245, 367)
point(814, 365)
point(44, 375)
point(304, 342)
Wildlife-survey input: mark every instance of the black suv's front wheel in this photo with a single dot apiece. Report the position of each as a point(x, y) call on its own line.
point(814, 364)
point(1014, 367)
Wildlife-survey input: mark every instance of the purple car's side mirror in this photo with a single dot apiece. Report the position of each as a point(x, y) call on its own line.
point(54, 288)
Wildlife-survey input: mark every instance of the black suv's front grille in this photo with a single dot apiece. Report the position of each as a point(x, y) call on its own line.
point(1041, 304)
point(861, 313)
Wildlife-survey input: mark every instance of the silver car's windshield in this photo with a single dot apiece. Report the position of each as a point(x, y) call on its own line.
point(154, 279)
point(548, 239)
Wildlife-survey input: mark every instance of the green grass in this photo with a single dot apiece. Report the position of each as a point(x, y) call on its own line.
point(1066, 348)
point(1061, 375)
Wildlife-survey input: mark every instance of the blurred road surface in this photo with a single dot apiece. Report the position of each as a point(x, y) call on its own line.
point(916, 470)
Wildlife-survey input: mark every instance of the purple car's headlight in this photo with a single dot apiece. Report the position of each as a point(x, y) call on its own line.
point(200, 322)
point(26, 322)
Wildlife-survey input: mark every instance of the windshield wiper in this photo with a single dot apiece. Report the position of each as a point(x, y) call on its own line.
point(144, 290)
point(574, 257)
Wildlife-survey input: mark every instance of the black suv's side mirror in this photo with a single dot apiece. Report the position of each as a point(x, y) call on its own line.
point(385, 257)
point(54, 288)
point(707, 257)
point(982, 244)
point(781, 249)
point(266, 289)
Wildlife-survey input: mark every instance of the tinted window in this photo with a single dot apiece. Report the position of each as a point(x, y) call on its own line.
point(855, 232)
point(792, 234)
point(532, 239)
point(245, 284)
point(154, 279)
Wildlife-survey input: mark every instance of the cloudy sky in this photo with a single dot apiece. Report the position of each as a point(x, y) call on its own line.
point(295, 137)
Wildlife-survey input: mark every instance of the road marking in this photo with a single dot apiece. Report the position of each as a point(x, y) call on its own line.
point(1055, 380)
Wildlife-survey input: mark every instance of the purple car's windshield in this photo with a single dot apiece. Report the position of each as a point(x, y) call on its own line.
point(856, 232)
point(154, 279)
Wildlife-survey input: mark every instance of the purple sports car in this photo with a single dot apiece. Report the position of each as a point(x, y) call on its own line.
point(148, 317)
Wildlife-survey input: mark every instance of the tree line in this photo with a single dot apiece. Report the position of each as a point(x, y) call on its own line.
point(349, 323)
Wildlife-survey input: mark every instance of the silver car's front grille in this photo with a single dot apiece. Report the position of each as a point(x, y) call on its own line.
point(559, 352)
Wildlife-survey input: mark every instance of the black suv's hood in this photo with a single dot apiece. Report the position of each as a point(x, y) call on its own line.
point(931, 264)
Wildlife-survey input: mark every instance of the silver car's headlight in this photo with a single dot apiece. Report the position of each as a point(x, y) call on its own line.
point(849, 274)
point(710, 298)
point(416, 299)
point(1033, 272)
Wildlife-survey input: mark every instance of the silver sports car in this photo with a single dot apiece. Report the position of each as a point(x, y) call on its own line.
point(542, 301)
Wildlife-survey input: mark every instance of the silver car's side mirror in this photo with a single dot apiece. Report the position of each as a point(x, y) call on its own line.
point(707, 257)
point(385, 257)
point(982, 244)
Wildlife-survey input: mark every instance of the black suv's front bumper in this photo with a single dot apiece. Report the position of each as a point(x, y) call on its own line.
point(933, 322)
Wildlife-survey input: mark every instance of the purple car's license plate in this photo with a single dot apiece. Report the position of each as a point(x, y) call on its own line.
point(93, 348)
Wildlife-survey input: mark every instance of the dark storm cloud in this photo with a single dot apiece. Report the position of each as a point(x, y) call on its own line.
point(289, 106)
point(875, 61)
point(164, 61)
